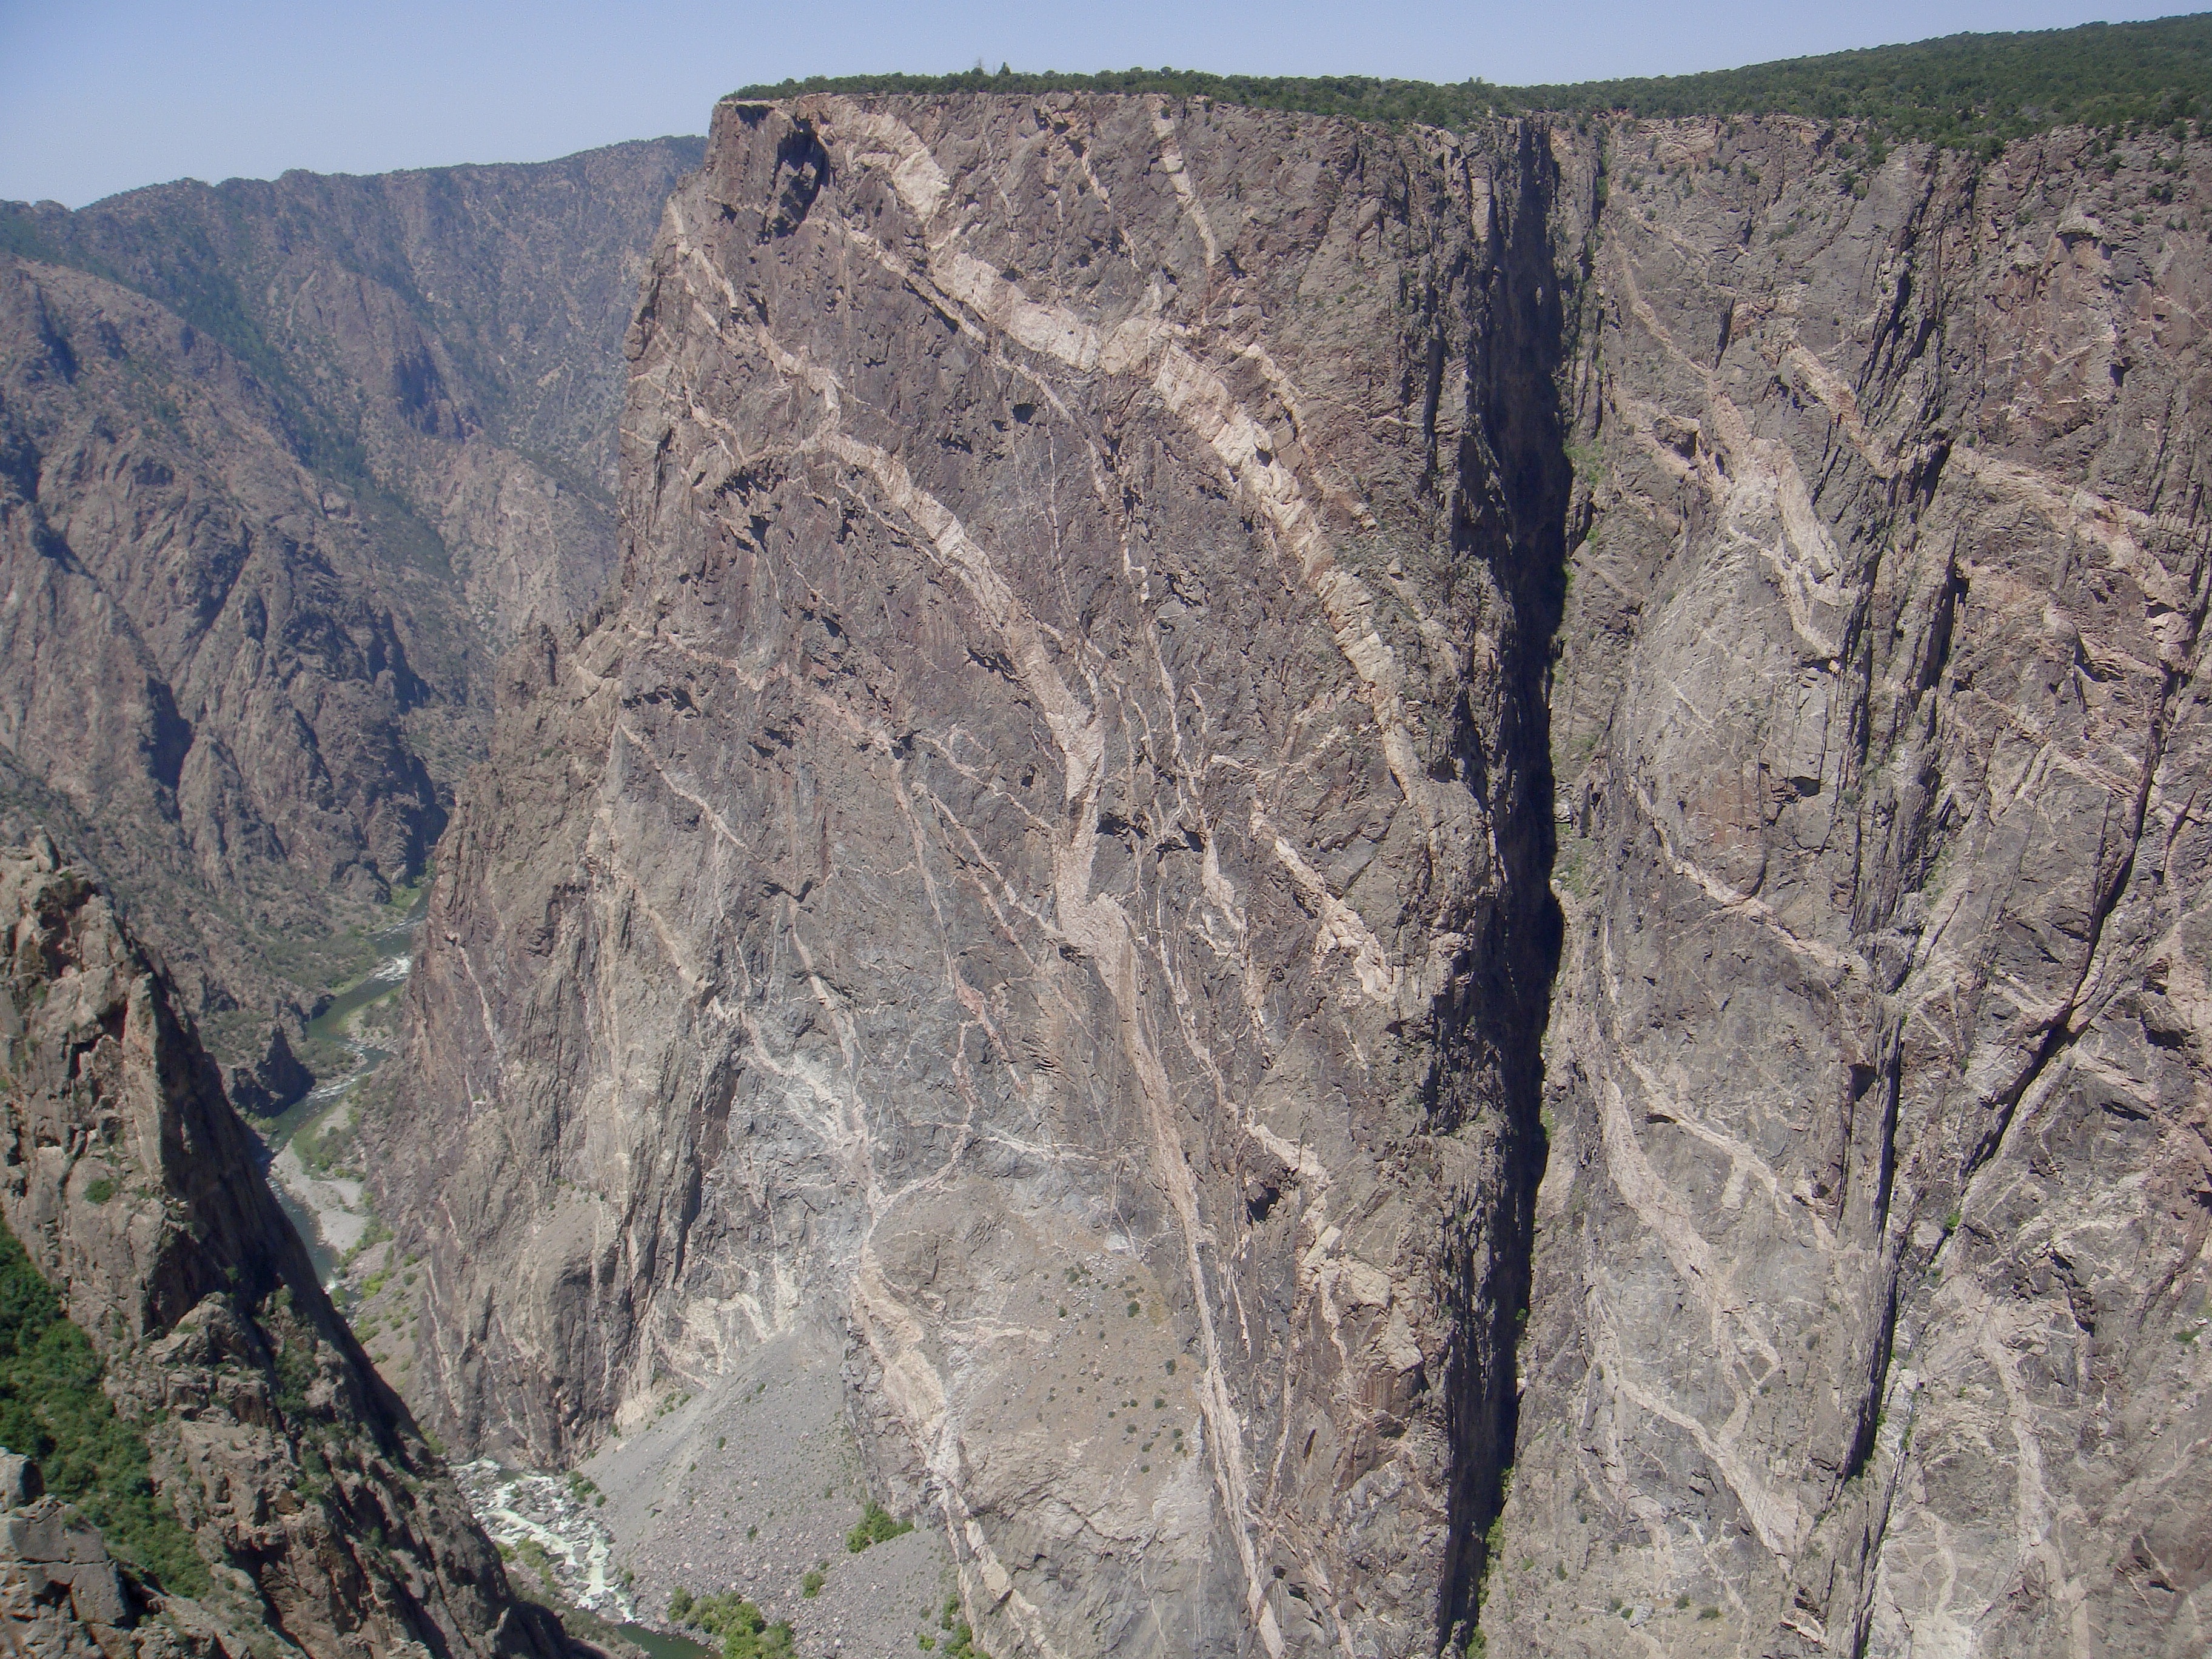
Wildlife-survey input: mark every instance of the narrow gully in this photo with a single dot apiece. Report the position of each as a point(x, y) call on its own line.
point(1516, 486)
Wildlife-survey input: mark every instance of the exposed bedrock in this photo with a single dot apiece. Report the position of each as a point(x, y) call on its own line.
point(1043, 856)
point(1878, 1189)
point(1045, 861)
point(327, 1525)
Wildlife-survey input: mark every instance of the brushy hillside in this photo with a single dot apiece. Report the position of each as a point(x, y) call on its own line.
point(1963, 90)
point(52, 1408)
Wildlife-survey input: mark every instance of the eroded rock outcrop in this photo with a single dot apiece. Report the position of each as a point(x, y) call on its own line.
point(1043, 864)
point(329, 1526)
point(61, 1594)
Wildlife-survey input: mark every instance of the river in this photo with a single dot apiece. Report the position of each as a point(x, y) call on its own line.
point(331, 1213)
point(328, 1207)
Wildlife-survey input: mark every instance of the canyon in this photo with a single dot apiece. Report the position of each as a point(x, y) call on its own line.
point(1338, 886)
point(283, 465)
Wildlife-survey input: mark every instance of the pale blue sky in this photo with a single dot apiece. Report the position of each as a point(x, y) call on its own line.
point(102, 95)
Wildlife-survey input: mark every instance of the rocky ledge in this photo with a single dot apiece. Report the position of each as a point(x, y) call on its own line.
point(326, 1524)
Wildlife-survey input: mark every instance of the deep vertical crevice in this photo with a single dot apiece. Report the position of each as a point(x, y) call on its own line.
point(1514, 485)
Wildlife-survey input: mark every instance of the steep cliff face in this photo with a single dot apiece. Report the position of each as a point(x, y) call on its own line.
point(1042, 862)
point(282, 467)
point(331, 1528)
point(1045, 865)
point(1870, 1259)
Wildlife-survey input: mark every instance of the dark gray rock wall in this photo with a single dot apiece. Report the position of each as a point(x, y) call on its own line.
point(326, 1520)
point(1046, 861)
point(1043, 858)
point(1870, 1261)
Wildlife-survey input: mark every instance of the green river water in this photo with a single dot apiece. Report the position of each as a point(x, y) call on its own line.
point(395, 949)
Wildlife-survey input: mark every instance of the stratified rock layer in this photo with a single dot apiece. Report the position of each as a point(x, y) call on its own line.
point(1042, 861)
point(330, 1526)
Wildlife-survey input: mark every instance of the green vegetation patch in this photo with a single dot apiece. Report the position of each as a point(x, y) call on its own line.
point(52, 1408)
point(406, 894)
point(876, 1526)
point(1956, 90)
point(961, 1643)
point(1962, 90)
point(330, 1146)
point(534, 1557)
point(330, 961)
point(743, 1628)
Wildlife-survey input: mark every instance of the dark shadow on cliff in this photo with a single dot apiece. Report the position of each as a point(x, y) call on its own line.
point(1515, 484)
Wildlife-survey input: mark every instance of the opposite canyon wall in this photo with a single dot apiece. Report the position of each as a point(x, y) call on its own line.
point(1044, 866)
point(1041, 861)
point(282, 466)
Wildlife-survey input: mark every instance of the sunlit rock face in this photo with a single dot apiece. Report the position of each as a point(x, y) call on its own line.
point(1041, 861)
point(1868, 1256)
point(1047, 871)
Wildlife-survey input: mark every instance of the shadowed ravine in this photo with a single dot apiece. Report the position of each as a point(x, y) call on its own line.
point(1513, 516)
